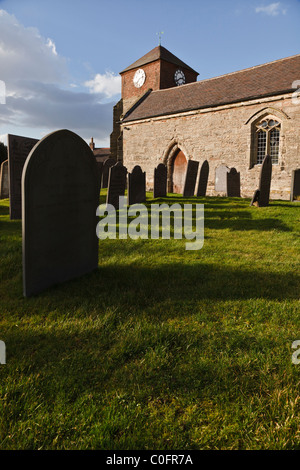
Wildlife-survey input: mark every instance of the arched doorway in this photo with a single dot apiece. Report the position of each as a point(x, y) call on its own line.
point(177, 172)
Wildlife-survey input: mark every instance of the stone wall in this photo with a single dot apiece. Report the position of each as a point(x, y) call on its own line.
point(221, 135)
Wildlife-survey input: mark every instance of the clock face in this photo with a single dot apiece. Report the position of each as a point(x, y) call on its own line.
point(139, 78)
point(179, 77)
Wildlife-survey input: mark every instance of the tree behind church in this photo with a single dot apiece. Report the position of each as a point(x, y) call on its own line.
point(3, 152)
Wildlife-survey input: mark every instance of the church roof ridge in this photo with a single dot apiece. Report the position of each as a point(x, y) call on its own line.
point(158, 53)
point(233, 73)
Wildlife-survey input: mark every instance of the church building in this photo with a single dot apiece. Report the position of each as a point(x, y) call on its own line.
point(166, 116)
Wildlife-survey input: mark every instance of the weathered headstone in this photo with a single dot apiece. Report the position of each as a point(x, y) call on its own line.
point(59, 202)
point(203, 179)
point(4, 182)
point(221, 179)
point(262, 196)
point(136, 186)
point(190, 178)
point(105, 171)
point(233, 183)
point(160, 181)
point(265, 181)
point(18, 150)
point(116, 184)
point(295, 186)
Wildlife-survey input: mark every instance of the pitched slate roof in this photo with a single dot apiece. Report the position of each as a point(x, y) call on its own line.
point(101, 151)
point(273, 78)
point(158, 53)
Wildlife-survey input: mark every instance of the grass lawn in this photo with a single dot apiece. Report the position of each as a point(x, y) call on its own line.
point(160, 348)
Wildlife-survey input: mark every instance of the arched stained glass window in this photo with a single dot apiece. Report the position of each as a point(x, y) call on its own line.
point(267, 140)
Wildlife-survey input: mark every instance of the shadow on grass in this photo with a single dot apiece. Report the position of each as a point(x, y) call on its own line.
point(4, 210)
point(182, 287)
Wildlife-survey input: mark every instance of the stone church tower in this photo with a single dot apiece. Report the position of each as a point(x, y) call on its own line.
point(157, 70)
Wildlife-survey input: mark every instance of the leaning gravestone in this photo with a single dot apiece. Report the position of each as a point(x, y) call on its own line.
point(233, 183)
point(262, 195)
point(160, 181)
point(203, 179)
point(295, 186)
point(136, 186)
point(18, 150)
point(4, 184)
point(190, 178)
point(59, 201)
point(99, 173)
point(265, 181)
point(116, 184)
point(105, 171)
point(221, 179)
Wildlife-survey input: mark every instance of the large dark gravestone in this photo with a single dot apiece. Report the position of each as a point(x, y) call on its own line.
point(136, 186)
point(203, 179)
point(190, 178)
point(59, 202)
point(262, 195)
point(295, 186)
point(4, 183)
point(233, 183)
point(116, 184)
point(221, 179)
point(160, 181)
point(105, 171)
point(18, 150)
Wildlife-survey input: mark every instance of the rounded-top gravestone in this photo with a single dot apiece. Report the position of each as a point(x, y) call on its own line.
point(160, 181)
point(233, 183)
point(117, 181)
point(59, 202)
point(136, 186)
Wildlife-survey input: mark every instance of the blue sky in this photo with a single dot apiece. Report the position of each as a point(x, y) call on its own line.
point(60, 60)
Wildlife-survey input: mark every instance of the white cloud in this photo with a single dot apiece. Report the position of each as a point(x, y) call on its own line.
point(109, 84)
point(40, 92)
point(25, 54)
point(273, 9)
point(52, 46)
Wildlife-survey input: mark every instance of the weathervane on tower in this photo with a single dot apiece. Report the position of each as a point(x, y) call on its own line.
point(159, 35)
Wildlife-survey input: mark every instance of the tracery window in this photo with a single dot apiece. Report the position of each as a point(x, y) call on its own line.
point(267, 140)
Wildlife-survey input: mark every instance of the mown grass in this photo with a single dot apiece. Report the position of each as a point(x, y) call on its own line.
point(160, 348)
